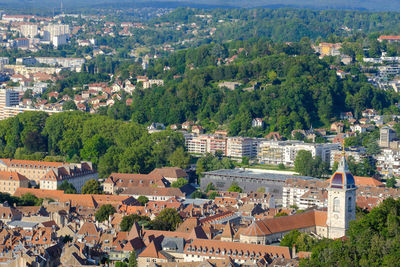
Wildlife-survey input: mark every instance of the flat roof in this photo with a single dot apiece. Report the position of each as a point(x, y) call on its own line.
point(22, 224)
point(240, 173)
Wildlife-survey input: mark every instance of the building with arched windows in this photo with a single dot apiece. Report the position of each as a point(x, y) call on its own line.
point(331, 223)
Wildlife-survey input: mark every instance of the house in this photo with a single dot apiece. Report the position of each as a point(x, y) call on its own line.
point(389, 38)
point(346, 115)
point(187, 124)
point(337, 127)
point(257, 122)
point(369, 113)
point(197, 129)
point(9, 213)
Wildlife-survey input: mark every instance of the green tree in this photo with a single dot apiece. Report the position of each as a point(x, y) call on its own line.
point(168, 220)
point(179, 158)
point(197, 194)
point(142, 200)
point(132, 259)
point(92, 187)
point(281, 214)
point(210, 187)
point(235, 188)
point(69, 105)
point(29, 199)
point(302, 163)
point(129, 220)
point(93, 148)
point(391, 182)
point(179, 183)
point(68, 188)
point(212, 194)
point(120, 264)
point(104, 212)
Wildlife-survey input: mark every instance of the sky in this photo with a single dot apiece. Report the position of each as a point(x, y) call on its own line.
point(375, 5)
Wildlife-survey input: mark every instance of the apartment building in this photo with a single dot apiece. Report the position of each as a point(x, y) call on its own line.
point(74, 64)
point(386, 135)
point(388, 162)
point(285, 152)
point(29, 30)
point(150, 83)
point(235, 147)
point(10, 181)
point(357, 153)
point(8, 98)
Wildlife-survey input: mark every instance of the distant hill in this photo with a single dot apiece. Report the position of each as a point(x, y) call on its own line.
point(373, 5)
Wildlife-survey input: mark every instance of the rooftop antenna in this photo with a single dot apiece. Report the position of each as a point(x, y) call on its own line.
point(61, 7)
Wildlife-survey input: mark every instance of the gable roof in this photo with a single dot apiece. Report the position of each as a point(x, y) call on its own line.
point(169, 172)
point(286, 223)
point(12, 176)
point(228, 231)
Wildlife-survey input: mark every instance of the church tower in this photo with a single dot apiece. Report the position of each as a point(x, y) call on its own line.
point(341, 200)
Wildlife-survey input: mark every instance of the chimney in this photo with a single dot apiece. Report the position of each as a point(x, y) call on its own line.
point(294, 251)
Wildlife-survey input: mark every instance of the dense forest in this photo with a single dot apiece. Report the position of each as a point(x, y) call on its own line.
point(289, 24)
point(296, 89)
point(113, 146)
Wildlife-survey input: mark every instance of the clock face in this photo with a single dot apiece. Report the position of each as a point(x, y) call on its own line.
point(336, 216)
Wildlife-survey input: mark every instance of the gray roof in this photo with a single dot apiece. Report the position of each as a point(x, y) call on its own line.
point(22, 224)
point(196, 201)
point(173, 243)
point(240, 173)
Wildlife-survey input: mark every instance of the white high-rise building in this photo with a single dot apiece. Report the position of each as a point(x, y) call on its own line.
point(29, 30)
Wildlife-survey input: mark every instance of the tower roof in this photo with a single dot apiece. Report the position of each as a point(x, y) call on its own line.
point(342, 178)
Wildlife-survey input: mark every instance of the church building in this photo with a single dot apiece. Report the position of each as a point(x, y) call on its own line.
point(332, 223)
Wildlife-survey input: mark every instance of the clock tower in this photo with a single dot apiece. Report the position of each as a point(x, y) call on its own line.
point(341, 200)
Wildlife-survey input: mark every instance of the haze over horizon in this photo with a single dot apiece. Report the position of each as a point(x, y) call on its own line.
point(371, 5)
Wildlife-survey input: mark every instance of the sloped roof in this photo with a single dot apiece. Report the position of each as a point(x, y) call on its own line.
point(286, 223)
point(228, 231)
point(170, 172)
point(12, 176)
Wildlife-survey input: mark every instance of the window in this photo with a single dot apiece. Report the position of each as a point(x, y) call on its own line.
point(336, 203)
point(349, 205)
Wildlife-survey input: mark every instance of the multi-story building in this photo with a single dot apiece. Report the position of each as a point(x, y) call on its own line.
point(10, 181)
point(29, 30)
point(285, 152)
point(357, 153)
point(387, 135)
point(50, 174)
point(75, 174)
point(235, 147)
point(52, 30)
point(239, 147)
point(70, 63)
point(388, 162)
point(249, 181)
point(8, 98)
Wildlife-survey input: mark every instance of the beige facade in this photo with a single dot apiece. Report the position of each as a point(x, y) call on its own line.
point(10, 181)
